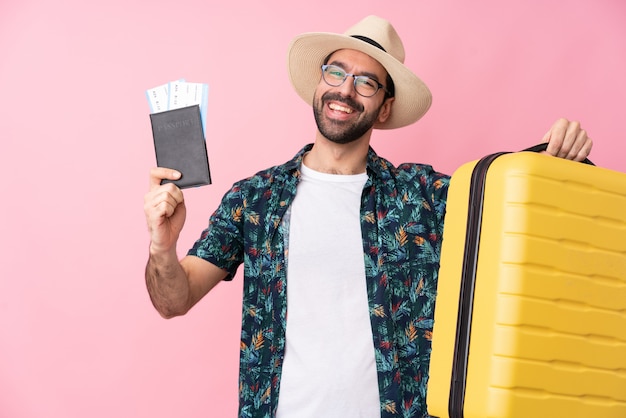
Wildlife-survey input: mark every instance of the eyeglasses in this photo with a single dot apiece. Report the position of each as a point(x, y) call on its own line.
point(365, 86)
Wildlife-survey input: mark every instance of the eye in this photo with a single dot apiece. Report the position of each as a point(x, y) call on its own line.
point(367, 82)
point(336, 72)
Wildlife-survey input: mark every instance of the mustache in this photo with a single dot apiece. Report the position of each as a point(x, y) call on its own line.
point(342, 99)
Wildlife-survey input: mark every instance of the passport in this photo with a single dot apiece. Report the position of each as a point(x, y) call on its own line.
point(179, 143)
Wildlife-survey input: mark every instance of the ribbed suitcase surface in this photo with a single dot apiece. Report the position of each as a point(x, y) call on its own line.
point(546, 317)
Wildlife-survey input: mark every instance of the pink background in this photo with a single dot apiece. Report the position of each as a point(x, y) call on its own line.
point(78, 335)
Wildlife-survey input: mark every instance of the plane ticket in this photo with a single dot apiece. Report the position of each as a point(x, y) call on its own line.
point(177, 94)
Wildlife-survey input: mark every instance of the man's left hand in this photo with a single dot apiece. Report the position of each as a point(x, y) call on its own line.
point(566, 139)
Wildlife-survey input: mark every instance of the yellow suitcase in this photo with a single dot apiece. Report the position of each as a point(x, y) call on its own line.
point(530, 318)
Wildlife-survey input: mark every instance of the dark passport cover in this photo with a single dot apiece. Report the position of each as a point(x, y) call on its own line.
point(179, 144)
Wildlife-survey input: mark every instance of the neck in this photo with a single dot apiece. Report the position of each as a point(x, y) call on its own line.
point(329, 157)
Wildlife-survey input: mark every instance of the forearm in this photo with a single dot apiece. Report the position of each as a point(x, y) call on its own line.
point(167, 284)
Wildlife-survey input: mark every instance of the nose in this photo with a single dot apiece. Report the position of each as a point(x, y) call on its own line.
point(348, 88)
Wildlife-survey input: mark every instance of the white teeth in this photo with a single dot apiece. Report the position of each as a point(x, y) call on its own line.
point(334, 106)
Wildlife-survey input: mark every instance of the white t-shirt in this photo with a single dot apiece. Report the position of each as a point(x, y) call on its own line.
point(329, 368)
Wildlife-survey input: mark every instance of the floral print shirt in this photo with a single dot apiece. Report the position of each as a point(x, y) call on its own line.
point(402, 213)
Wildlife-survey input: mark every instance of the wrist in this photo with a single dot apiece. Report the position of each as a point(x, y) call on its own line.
point(160, 252)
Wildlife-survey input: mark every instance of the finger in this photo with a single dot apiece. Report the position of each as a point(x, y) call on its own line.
point(173, 191)
point(584, 151)
point(167, 191)
point(570, 146)
point(572, 150)
point(157, 174)
point(162, 202)
point(165, 208)
point(555, 136)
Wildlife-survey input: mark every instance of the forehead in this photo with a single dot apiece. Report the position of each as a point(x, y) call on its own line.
point(357, 62)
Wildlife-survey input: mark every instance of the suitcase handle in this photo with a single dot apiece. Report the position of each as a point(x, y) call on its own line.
point(544, 146)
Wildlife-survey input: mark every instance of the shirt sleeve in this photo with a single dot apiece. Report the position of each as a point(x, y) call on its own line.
point(221, 243)
point(434, 186)
point(440, 186)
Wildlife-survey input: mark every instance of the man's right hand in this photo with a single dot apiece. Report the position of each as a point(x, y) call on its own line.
point(164, 207)
point(174, 286)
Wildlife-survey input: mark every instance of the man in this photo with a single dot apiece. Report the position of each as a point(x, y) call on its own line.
point(338, 238)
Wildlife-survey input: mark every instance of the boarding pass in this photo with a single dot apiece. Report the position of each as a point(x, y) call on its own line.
point(177, 94)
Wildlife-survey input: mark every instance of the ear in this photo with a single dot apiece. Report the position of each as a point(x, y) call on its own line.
point(385, 110)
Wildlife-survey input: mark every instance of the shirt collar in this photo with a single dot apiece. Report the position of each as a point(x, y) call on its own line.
point(376, 165)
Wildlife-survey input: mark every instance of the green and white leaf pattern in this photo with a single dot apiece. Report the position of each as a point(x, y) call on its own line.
point(402, 212)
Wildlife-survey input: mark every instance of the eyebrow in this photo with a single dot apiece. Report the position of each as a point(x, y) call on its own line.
point(343, 67)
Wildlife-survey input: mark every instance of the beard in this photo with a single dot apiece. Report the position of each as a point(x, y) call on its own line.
point(342, 132)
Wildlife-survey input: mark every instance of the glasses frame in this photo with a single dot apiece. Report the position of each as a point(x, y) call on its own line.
point(355, 79)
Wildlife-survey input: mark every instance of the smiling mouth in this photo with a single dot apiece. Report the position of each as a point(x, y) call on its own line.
point(338, 107)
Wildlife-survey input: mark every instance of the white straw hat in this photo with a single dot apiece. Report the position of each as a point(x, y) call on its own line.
point(375, 37)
